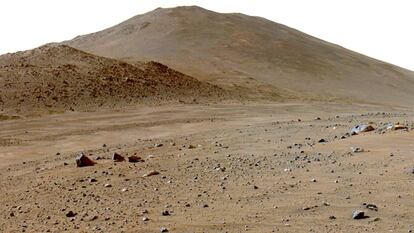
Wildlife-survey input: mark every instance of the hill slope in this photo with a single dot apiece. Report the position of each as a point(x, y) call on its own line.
point(58, 76)
point(240, 50)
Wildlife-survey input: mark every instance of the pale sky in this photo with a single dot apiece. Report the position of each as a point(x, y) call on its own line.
point(377, 28)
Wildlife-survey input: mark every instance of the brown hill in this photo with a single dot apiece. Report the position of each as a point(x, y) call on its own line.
point(61, 77)
point(240, 50)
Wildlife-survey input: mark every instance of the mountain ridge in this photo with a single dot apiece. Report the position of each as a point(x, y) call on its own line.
point(57, 77)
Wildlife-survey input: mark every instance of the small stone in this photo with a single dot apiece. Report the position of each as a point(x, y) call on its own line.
point(357, 149)
point(135, 159)
point(332, 217)
point(163, 229)
point(117, 157)
point(322, 140)
point(108, 185)
point(71, 214)
point(145, 219)
point(371, 207)
point(326, 204)
point(124, 190)
point(151, 173)
point(358, 214)
point(84, 161)
point(399, 127)
point(165, 213)
point(313, 180)
point(92, 180)
point(158, 145)
point(361, 128)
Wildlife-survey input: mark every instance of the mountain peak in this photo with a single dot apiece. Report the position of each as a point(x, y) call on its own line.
point(254, 53)
point(182, 8)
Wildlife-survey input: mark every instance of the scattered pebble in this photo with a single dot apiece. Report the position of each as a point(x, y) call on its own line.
point(151, 173)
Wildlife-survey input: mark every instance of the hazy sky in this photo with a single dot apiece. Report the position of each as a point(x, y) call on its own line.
point(377, 28)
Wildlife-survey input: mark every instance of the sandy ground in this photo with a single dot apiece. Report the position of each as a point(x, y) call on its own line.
point(250, 168)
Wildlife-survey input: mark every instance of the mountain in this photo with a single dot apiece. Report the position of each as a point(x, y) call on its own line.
point(236, 50)
point(60, 77)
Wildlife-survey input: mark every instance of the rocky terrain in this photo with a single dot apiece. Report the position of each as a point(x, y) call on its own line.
point(227, 168)
point(59, 78)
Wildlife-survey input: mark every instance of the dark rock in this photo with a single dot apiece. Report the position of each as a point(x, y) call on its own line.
point(135, 159)
point(117, 157)
point(322, 140)
point(358, 214)
point(371, 207)
point(163, 229)
point(84, 161)
point(165, 213)
point(71, 214)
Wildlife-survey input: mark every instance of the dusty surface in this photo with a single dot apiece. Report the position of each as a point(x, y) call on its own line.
point(253, 168)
